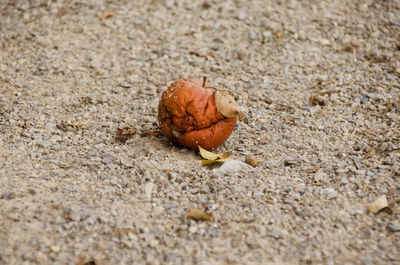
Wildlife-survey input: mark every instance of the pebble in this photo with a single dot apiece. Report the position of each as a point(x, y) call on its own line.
point(148, 188)
point(8, 196)
point(154, 243)
point(55, 248)
point(132, 36)
point(73, 213)
point(125, 84)
point(394, 226)
point(233, 165)
point(193, 229)
point(329, 193)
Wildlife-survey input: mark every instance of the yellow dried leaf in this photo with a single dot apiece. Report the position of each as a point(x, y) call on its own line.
point(199, 215)
point(212, 156)
point(226, 104)
point(107, 14)
point(79, 123)
point(207, 162)
point(65, 165)
point(377, 205)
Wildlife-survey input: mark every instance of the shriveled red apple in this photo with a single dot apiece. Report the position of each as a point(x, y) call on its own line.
point(193, 113)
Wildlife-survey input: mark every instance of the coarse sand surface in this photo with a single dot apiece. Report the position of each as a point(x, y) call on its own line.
point(319, 83)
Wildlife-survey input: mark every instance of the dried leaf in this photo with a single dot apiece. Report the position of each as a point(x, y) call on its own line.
point(127, 231)
point(107, 14)
point(378, 204)
point(65, 165)
point(199, 215)
point(251, 161)
point(86, 100)
point(227, 105)
point(124, 134)
point(62, 11)
point(328, 92)
point(207, 162)
point(316, 100)
point(78, 124)
point(212, 156)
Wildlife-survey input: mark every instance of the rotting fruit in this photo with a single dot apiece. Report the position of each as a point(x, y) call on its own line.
point(193, 113)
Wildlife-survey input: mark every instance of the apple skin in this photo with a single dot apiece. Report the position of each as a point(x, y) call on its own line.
point(188, 116)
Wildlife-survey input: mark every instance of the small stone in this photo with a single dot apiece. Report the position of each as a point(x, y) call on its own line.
point(8, 196)
point(275, 234)
point(242, 15)
point(125, 84)
point(261, 230)
point(233, 166)
point(393, 227)
point(132, 36)
point(74, 216)
point(127, 244)
point(377, 205)
point(329, 193)
point(55, 248)
point(153, 243)
point(148, 188)
point(193, 229)
point(14, 216)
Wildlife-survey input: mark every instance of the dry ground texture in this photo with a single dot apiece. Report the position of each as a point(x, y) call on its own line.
point(319, 82)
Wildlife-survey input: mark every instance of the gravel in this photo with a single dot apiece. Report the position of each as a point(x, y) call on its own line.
point(318, 81)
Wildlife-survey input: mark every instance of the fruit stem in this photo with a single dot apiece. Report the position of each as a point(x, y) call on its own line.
point(204, 81)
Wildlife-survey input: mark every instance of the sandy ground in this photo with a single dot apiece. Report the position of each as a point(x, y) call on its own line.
point(319, 82)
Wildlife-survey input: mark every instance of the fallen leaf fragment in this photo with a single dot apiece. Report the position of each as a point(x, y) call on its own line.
point(79, 123)
point(377, 205)
point(210, 157)
point(199, 215)
point(107, 14)
point(251, 161)
point(124, 134)
point(65, 165)
point(316, 100)
point(207, 162)
point(127, 231)
point(226, 104)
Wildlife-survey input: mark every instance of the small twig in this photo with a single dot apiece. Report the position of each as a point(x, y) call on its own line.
point(204, 81)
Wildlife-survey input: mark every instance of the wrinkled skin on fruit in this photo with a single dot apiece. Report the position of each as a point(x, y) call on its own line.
point(188, 116)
